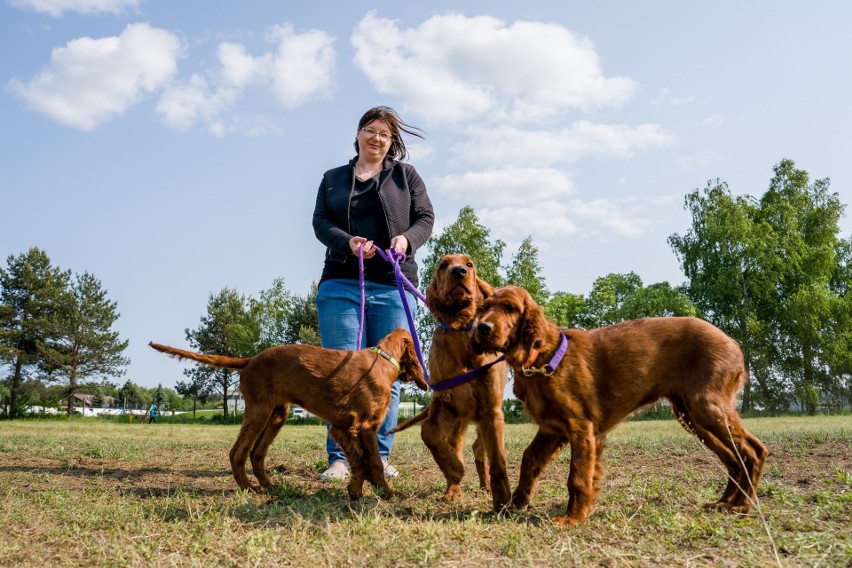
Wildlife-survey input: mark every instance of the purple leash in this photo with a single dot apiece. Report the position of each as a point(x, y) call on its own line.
point(363, 294)
point(395, 258)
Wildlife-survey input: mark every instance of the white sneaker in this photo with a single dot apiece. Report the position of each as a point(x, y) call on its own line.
point(337, 471)
point(390, 471)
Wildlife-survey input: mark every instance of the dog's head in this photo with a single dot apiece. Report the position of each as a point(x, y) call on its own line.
point(399, 345)
point(512, 323)
point(456, 293)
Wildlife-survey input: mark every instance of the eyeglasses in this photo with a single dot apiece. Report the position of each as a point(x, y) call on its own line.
point(382, 136)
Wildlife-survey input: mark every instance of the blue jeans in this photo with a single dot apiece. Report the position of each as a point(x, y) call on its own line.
point(339, 310)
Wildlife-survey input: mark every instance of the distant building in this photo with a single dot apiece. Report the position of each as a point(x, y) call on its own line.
point(86, 401)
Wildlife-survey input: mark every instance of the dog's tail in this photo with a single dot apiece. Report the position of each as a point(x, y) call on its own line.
point(410, 422)
point(212, 360)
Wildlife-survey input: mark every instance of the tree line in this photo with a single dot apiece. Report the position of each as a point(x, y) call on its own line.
point(771, 271)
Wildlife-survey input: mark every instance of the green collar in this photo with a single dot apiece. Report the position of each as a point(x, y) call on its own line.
point(393, 361)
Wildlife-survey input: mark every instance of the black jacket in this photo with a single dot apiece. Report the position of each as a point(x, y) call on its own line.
point(406, 205)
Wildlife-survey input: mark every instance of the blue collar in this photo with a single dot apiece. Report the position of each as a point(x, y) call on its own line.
point(444, 326)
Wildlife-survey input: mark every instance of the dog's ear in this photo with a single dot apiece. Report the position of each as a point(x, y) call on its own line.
point(411, 365)
point(533, 329)
point(434, 296)
point(484, 290)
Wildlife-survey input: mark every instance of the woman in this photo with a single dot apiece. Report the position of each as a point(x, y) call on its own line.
point(375, 202)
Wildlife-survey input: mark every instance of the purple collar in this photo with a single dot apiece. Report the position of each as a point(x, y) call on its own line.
point(550, 367)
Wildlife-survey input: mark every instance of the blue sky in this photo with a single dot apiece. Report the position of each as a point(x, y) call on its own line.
point(175, 148)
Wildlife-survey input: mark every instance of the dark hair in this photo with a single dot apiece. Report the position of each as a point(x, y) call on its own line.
point(397, 150)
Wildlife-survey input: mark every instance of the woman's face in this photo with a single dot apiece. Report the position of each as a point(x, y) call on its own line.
point(374, 140)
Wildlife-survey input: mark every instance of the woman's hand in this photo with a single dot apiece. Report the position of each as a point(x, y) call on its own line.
point(369, 249)
point(400, 244)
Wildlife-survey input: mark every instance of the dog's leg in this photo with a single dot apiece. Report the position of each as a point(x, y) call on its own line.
point(696, 427)
point(348, 441)
point(372, 461)
point(480, 459)
point(581, 476)
point(600, 444)
point(254, 420)
point(492, 435)
point(541, 451)
point(718, 427)
point(261, 446)
point(444, 436)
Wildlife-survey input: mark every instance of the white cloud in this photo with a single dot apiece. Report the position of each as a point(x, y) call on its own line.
point(300, 69)
point(699, 160)
point(505, 186)
point(56, 8)
point(714, 122)
point(621, 217)
point(542, 202)
point(454, 69)
point(90, 81)
point(543, 221)
point(553, 219)
point(182, 106)
point(511, 146)
point(303, 66)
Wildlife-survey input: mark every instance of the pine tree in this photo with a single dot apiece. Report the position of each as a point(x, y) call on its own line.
point(32, 293)
point(159, 396)
point(86, 349)
point(227, 329)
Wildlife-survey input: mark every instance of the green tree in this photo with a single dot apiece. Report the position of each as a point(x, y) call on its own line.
point(32, 293)
point(159, 396)
point(270, 314)
point(98, 399)
point(227, 329)
point(723, 256)
point(773, 274)
point(606, 300)
point(197, 389)
point(513, 411)
point(303, 320)
point(567, 310)
point(86, 349)
point(657, 300)
point(130, 395)
point(804, 218)
point(465, 236)
point(525, 271)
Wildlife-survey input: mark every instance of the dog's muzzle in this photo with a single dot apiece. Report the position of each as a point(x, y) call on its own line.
point(481, 340)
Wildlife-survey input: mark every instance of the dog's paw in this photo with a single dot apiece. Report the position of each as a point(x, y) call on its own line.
point(728, 508)
point(520, 502)
point(565, 521)
point(453, 493)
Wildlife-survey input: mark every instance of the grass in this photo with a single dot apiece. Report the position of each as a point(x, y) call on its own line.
point(94, 493)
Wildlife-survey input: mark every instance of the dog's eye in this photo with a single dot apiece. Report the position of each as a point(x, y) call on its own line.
point(469, 265)
point(442, 266)
point(509, 309)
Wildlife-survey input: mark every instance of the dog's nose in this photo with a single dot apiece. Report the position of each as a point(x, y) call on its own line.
point(459, 271)
point(484, 328)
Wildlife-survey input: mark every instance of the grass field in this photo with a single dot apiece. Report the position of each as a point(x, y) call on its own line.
point(93, 493)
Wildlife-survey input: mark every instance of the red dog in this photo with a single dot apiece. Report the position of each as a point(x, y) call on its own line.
point(607, 373)
point(350, 390)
